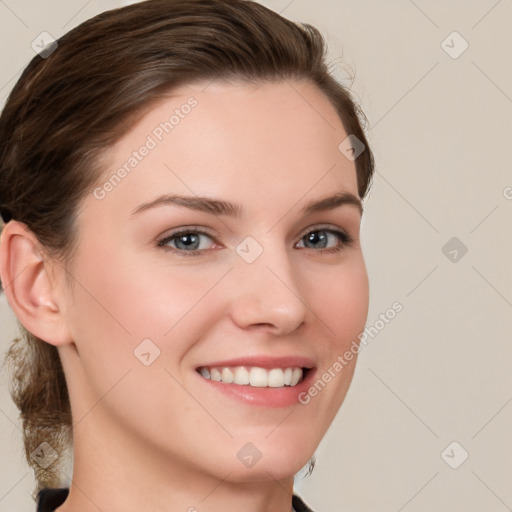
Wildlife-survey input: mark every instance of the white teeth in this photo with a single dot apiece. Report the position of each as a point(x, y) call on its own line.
point(297, 374)
point(258, 378)
point(227, 376)
point(242, 376)
point(255, 376)
point(215, 375)
point(275, 378)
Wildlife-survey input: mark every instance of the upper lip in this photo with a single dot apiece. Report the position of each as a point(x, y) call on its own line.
point(262, 361)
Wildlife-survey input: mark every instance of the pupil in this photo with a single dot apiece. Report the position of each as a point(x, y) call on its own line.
point(187, 239)
point(318, 236)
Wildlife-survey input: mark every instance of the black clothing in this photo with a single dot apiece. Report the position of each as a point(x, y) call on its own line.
point(49, 499)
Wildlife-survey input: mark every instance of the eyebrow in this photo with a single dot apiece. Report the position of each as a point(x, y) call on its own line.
point(220, 207)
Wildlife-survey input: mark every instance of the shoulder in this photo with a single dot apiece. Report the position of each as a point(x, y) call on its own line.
point(299, 505)
point(49, 499)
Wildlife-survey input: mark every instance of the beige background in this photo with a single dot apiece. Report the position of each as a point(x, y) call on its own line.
point(440, 371)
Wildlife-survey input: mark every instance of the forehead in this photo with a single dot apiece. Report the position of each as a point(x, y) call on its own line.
point(222, 138)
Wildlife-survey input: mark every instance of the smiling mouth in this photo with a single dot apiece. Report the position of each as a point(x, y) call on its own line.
point(255, 376)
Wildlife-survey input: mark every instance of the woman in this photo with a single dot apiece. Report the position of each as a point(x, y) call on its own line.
point(181, 185)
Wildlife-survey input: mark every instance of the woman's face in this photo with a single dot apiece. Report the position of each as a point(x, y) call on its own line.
point(269, 284)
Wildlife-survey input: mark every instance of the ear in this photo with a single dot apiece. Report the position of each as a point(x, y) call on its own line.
point(33, 295)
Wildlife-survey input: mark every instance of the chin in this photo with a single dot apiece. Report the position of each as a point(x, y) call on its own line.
point(265, 472)
point(267, 460)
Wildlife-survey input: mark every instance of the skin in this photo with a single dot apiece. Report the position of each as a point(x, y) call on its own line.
point(158, 434)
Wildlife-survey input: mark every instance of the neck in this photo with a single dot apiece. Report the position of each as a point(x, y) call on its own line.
point(113, 471)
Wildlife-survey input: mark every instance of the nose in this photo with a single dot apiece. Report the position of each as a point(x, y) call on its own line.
point(268, 294)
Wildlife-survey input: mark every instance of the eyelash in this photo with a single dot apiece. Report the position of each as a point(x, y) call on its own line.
point(346, 241)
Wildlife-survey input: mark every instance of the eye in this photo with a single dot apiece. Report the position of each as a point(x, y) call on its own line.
point(190, 241)
point(321, 238)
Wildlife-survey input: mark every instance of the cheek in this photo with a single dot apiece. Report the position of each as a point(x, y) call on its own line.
point(340, 300)
point(340, 297)
point(120, 302)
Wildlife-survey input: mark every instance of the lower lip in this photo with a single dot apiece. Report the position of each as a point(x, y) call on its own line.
point(266, 397)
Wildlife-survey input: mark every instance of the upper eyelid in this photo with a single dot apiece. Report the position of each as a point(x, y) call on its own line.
point(206, 231)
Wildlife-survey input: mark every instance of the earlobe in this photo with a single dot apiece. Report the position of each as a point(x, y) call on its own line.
point(26, 280)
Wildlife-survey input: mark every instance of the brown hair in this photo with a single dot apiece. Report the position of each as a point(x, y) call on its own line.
point(69, 106)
